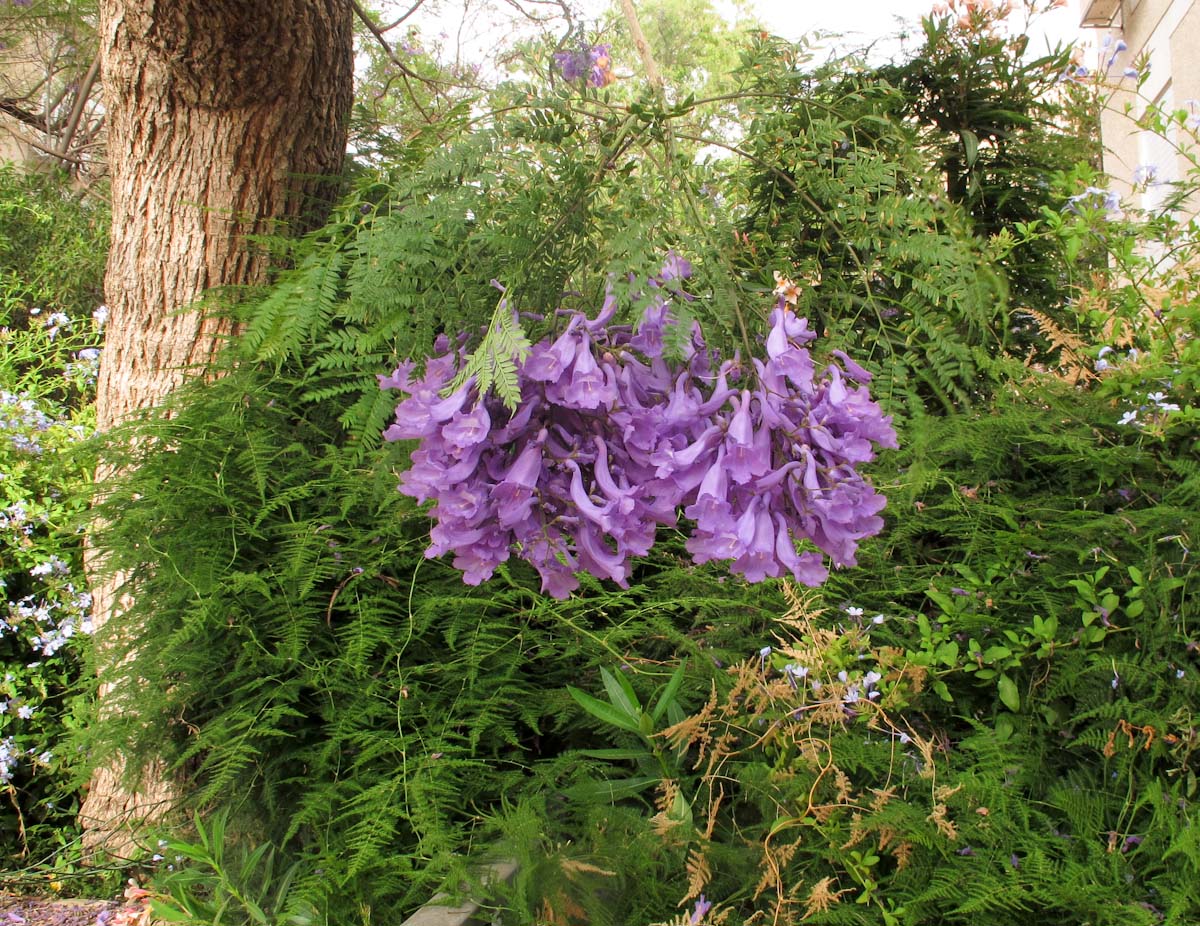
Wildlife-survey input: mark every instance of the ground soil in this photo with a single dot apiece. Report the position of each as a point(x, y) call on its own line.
point(38, 911)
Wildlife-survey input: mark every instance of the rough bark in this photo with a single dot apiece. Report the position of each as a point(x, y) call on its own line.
point(226, 119)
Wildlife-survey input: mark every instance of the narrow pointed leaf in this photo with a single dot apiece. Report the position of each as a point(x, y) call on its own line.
point(604, 711)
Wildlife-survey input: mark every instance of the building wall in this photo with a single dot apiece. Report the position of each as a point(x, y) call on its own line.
point(15, 74)
point(1166, 34)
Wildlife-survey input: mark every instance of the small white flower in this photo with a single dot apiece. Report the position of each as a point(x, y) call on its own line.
point(854, 612)
point(1128, 418)
point(877, 619)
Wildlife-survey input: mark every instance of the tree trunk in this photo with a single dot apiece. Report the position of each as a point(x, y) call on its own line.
point(227, 119)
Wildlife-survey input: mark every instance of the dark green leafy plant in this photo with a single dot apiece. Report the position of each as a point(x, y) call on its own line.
point(1003, 728)
point(51, 260)
point(210, 882)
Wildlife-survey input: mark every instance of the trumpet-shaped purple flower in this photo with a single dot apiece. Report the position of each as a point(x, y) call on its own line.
point(611, 441)
point(593, 62)
point(590, 385)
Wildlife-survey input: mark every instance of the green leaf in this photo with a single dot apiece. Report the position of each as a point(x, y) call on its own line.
point(604, 711)
point(169, 913)
point(681, 810)
point(613, 789)
point(621, 693)
point(668, 695)
point(947, 653)
point(942, 600)
point(256, 912)
point(970, 146)
point(1009, 694)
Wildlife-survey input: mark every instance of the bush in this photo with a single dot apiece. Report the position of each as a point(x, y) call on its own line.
point(51, 261)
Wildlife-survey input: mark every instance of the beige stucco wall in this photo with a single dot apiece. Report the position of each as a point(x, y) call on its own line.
point(19, 71)
point(1167, 34)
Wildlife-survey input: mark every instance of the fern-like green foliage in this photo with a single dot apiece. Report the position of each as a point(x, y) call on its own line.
point(494, 363)
point(289, 650)
point(849, 206)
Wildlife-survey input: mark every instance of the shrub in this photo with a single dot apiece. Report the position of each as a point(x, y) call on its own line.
point(51, 257)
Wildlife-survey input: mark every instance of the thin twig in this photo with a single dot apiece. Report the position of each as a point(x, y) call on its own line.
point(412, 9)
point(45, 149)
point(540, 20)
point(405, 71)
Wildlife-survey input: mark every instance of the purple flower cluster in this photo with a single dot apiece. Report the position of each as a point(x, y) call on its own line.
point(611, 440)
point(593, 62)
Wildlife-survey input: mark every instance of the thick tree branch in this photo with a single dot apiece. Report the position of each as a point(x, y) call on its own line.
point(81, 96)
point(643, 47)
point(14, 108)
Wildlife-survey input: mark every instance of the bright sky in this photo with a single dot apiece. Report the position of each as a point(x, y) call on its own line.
point(486, 27)
point(866, 21)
